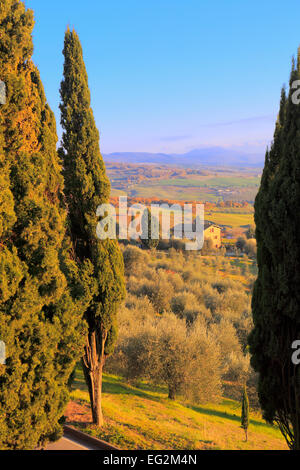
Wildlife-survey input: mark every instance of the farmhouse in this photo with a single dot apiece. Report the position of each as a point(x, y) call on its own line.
point(213, 232)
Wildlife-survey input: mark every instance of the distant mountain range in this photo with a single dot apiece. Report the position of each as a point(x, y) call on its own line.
point(212, 156)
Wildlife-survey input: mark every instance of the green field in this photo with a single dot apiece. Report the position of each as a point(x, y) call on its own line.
point(217, 182)
point(176, 193)
point(142, 417)
point(187, 192)
point(231, 220)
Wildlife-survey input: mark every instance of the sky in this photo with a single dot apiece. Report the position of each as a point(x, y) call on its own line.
point(174, 75)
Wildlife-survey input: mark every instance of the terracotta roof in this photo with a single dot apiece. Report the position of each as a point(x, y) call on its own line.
point(208, 224)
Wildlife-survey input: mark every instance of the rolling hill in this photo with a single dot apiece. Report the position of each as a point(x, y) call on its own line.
point(210, 156)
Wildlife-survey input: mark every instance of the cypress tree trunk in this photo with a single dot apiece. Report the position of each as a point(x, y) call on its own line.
point(92, 363)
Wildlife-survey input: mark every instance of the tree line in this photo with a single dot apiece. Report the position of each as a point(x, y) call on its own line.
point(60, 286)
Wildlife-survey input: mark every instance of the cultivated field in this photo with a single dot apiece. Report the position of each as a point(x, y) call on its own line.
point(183, 184)
point(230, 219)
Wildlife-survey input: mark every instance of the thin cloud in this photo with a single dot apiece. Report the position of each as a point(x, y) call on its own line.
point(175, 138)
point(268, 117)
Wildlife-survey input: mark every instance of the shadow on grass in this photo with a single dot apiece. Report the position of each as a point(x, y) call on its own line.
point(225, 415)
point(114, 386)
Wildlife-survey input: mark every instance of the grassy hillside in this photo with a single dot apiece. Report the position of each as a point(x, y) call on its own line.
point(212, 290)
point(143, 418)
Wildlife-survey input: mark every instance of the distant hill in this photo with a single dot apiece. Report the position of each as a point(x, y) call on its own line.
point(212, 156)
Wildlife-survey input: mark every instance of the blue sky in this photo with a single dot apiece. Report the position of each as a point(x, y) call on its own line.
point(174, 75)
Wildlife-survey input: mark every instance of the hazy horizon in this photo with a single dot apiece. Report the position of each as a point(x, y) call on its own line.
point(169, 77)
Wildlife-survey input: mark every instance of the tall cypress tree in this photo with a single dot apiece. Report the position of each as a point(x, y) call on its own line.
point(40, 323)
point(87, 187)
point(148, 223)
point(276, 296)
point(245, 413)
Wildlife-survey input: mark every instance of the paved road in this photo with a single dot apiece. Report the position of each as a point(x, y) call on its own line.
point(67, 443)
point(73, 439)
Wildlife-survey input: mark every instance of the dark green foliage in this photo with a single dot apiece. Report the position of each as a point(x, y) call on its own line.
point(40, 323)
point(251, 232)
point(245, 413)
point(86, 187)
point(150, 230)
point(241, 243)
point(276, 297)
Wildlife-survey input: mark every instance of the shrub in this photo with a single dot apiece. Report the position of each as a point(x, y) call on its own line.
point(182, 301)
point(238, 367)
point(212, 299)
point(134, 259)
point(205, 366)
point(208, 247)
point(177, 282)
point(187, 360)
point(251, 248)
point(141, 306)
point(222, 285)
point(241, 243)
point(225, 335)
point(159, 291)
